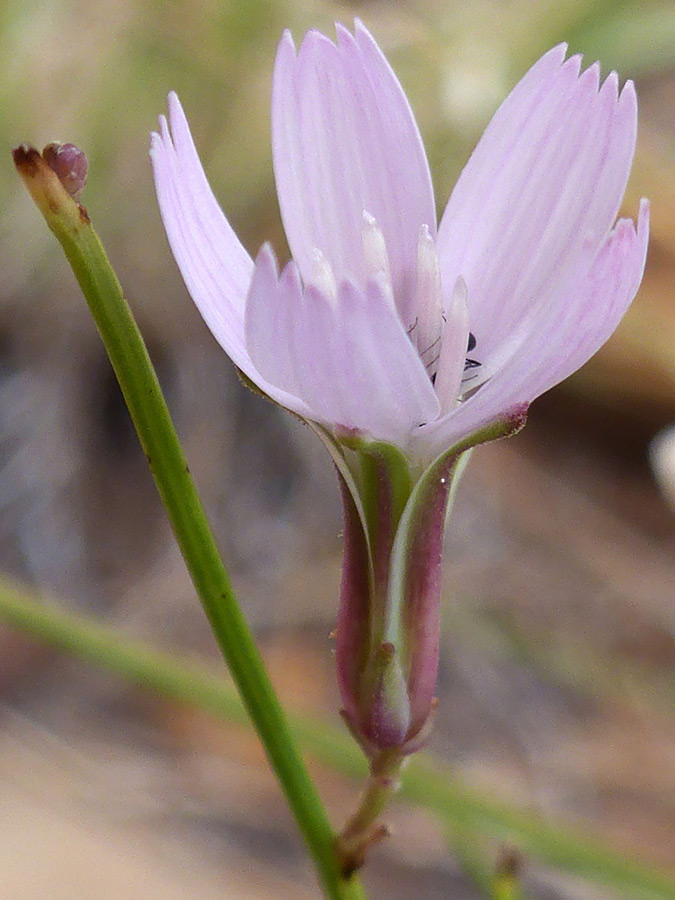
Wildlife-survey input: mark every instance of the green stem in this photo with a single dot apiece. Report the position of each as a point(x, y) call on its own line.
point(142, 393)
point(362, 830)
point(424, 783)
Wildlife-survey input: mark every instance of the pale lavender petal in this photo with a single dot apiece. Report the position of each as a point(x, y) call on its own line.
point(215, 266)
point(559, 339)
point(348, 358)
point(273, 307)
point(592, 316)
point(543, 185)
point(345, 141)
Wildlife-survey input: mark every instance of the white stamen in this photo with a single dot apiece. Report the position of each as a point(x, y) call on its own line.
point(374, 249)
point(322, 276)
point(428, 303)
point(375, 256)
point(450, 369)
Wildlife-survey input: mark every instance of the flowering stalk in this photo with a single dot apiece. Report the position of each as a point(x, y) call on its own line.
point(403, 342)
point(362, 830)
point(388, 623)
point(70, 223)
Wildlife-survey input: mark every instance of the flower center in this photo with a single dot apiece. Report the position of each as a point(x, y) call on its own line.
point(437, 333)
point(426, 330)
point(437, 328)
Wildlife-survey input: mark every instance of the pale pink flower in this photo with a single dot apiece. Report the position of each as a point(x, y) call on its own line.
point(388, 330)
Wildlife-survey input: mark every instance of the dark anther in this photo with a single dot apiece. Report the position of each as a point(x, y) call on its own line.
point(471, 363)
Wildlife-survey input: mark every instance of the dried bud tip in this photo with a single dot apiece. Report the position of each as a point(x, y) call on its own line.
point(25, 158)
point(70, 165)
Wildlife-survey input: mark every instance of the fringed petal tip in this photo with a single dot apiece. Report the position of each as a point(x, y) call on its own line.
point(266, 261)
point(343, 36)
point(159, 138)
point(627, 94)
point(162, 137)
point(167, 124)
point(626, 247)
point(174, 103)
point(155, 144)
point(215, 266)
point(337, 107)
point(345, 354)
point(552, 168)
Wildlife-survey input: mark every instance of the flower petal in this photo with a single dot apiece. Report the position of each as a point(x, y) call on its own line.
point(560, 338)
point(584, 323)
point(215, 266)
point(347, 357)
point(543, 185)
point(345, 141)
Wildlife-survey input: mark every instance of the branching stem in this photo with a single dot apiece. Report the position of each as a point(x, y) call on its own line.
point(363, 830)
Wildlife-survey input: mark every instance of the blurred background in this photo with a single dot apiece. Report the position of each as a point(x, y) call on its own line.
point(558, 668)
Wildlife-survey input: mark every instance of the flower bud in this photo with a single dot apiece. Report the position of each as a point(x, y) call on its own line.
point(70, 165)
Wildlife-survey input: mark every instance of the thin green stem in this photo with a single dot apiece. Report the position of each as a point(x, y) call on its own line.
point(362, 830)
point(138, 381)
point(425, 782)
